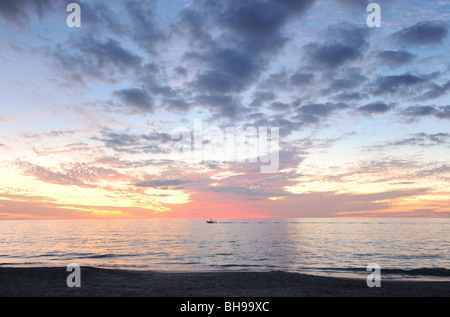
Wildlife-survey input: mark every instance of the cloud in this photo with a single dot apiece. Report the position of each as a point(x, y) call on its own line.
point(397, 84)
point(295, 118)
point(26, 207)
point(440, 170)
point(108, 52)
point(230, 46)
point(19, 13)
point(280, 106)
point(315, 112)
point(395, 59)
point(177, 105)
point(422, 33)
point(434, 91)
point(330, 56)
point(87, 57)
point(222, 105)
point(359, 6)
point(98, 17)
point(260, 98)
point(374, 108)
point(258, 25)
point(285, 80)
point(352, 80)
point(441, 112)
point(354, 4)
point(78, 174)
point(424, 139)
point(301, 78)
point(159, 183)
point(137, 98)
point(146, 31)
point(229, 70)
point(343, 43)
point(125, 142)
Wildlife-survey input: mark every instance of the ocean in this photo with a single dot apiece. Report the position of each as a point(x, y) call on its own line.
point(403, 248)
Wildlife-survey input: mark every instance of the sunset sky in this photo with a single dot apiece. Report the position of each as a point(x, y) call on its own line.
point(87, 114)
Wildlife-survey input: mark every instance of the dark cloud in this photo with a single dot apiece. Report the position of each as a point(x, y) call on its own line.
point(181, 71)
point(422, 33)
point(441, 112)
point(262, 97)
point(108, 52)
point(222, 105)
point(163, 183)
point(312, 114)
point(330, 56)
point(351, 96)
point(352, 80)
point(343, 43)
point(286, 126)
point(146, 30)
point(287, 81)
point(231, 46)
point(359, 5)
point(193, 24)
point(230, 70)
point(301, 78)
point(158, 137)
point(395, 58)
point(137, 98)
point(397, 84)
point(320, 109)
point(118, 141)
point(434, 91)
point(158, 142)
point(177, 105)
point(424, 139)
point(87, 57)
point(20, 13)
point(258, 25)
point(280, 106)
point(98, 18)
point(216, 82)
point(256, 20)
point(153, 77)
point(375, 108)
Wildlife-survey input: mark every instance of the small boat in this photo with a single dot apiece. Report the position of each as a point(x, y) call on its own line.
point(211, 221)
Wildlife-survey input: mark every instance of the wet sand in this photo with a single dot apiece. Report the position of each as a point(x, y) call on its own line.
point(95, 282)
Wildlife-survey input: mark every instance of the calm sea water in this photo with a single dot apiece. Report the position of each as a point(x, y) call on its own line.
point(407, 248)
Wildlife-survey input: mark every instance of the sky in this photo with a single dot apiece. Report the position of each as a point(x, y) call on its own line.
point(127, 115)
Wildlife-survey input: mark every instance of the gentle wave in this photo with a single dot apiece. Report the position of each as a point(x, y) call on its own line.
point(435, 272)
point(440, 272)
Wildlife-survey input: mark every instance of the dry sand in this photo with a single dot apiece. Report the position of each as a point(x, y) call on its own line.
point(51, 282)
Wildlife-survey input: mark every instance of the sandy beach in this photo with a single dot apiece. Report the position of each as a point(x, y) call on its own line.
point(95, 282)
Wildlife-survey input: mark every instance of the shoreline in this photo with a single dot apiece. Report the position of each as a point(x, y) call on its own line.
point(99, 282)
